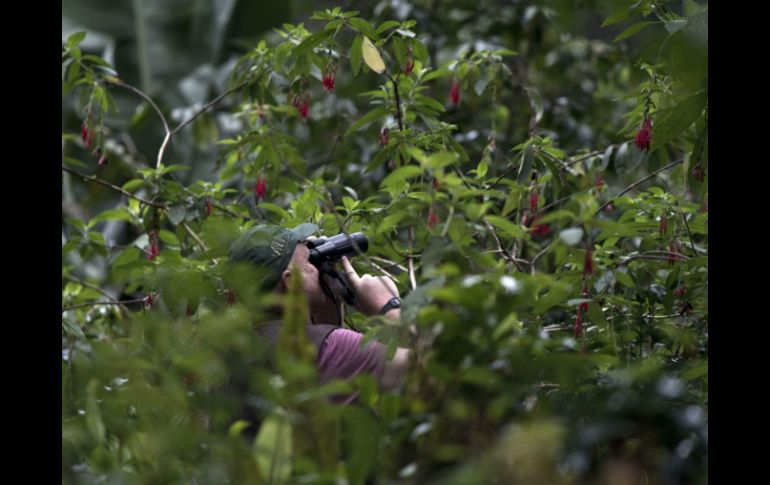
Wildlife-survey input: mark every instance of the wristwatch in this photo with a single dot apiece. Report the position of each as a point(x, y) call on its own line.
point(391, 304)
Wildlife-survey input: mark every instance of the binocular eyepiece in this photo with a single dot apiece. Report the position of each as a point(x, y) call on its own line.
point(323, 250)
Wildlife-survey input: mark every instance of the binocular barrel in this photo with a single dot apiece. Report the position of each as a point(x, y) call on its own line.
point(334, 248)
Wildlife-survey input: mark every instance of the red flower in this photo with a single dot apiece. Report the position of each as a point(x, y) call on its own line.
point(102, 161)
point(149, 300)
point(435, 183)
point(527, 219)
point(609, 208)
point(454, 93)
point(675, 251)
point(533, 198)
point(698, 173)
point(679, 291)
point(644, 135)
point(599, 182)
point(330, 74)
point(209, 207)
point(663, 225)
point(582, 307)
point(588, 263)
point(304, 107)
point(409, 66)
point(302, 103)
point(230, 298)
point(539, 229)
point(432, 218)
point(259, 188)
point(154, 246)
point(384, 136)
point(86, 134)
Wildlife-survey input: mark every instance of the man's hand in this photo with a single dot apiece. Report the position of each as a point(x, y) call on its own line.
point(373, 292)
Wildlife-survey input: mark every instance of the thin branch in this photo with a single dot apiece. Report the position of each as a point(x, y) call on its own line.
point(94, 178)
point(96, 288)
point(687, 226)
point(208, 106)
point(388, 262)
point(139, 93)
point(505, 253)
point(97, 303)
point(638, 182)
point(498, 179)
point(398, 104)
point(195, 236)
point(573, 161)
point(410, 260)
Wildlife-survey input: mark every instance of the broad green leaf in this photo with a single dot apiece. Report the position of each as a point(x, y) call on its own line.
point(511, 229)
point(120, 214)
point(388, 24)
point(401, 174)
point(355, 54)
point(272, 448)
point(367, 118)
point(632, 30)
point(176, 213)
point(372, 56)
point(670, 123)
point(616, 17)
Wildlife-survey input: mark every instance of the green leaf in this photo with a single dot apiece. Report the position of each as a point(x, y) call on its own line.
point(367, 118)
point(380, 158)
point(133, 185)
point(120, 214)
point(75, 39)
point(362, 435)
point(436, 74)
point(363, 26)
point(74, 163)
point(272, 448)
point(310, 42)
point(616, 17)
point(355, 54)
point(401, 174)
point(388, 24)
point(511, 229)
point(127, 256)
point(632, 30)
point(672, 122)
point(624, 279)
point(72, 329)
point(596, 315)
point(176, 214)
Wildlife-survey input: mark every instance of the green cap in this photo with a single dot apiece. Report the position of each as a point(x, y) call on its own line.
point(269, 248)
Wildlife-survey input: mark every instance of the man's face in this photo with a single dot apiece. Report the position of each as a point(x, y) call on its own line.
point(319, 303)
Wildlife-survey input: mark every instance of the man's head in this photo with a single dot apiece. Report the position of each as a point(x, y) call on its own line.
point(271, 250)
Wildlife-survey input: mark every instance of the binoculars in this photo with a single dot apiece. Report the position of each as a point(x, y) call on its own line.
point(332, 249)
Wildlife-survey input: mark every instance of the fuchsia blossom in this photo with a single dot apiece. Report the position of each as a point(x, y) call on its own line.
point(432, 218)
point(588, 262)
point(582, 308)
point(260, 187)
point(154, 246)
point(384, 136)
point(209, 207)
point(330, 74)
point(644, 135)
point(663, 225)
point(454, 93)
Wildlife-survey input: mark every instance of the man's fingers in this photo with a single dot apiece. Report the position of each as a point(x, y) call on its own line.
point(350, 272)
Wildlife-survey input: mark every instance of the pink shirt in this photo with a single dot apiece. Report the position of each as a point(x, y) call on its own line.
point(342, 357)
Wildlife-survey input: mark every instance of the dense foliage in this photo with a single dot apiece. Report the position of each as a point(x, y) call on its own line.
point(536, 184)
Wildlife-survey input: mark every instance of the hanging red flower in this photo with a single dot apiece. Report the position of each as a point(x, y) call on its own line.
point(260, 187)
point(644, 135)
point(454, 93)
point(588, 263)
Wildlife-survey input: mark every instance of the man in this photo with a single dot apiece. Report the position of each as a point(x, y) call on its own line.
point(274, 250)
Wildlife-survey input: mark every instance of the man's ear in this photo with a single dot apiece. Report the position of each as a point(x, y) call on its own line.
point(285, 277)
